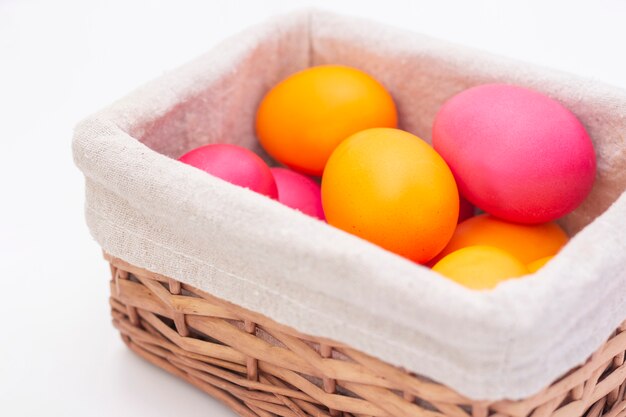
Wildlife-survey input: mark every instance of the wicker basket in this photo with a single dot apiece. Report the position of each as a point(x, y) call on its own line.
point(220, 317)
point(261, 368)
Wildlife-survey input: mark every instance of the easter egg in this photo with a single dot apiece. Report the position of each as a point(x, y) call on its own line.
point(391, 188)
point(515, 153)
point(302, 119)
point(538, 264)
point(466, 209)
point(480, 267)
point(235, 164)
point(298, 192)
point(524, 241)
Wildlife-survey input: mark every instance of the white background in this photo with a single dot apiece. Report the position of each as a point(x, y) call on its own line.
point(61, 60)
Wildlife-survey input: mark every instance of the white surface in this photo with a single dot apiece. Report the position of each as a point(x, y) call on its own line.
point(59, 355)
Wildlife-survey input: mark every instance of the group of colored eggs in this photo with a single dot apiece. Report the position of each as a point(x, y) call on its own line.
point(519, 156)
point(241, 166)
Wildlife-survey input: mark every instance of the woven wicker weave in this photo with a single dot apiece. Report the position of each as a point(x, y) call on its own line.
point(261, 368)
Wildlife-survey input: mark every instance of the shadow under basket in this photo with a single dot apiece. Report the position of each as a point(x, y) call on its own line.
point(258, 367)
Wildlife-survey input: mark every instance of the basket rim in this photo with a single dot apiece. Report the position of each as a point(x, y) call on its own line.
point(111, 133)
point(584, 378)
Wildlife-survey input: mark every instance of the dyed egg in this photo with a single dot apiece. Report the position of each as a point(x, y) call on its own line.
point(524, 241)
point(480, 267)
point(298, 192)
point(391, 188)
point(466, 209)
point(538, 264)
point(302, 119)
point(237, 165)
point(515, 153)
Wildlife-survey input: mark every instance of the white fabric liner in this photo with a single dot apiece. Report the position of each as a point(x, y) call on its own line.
point(159, 214)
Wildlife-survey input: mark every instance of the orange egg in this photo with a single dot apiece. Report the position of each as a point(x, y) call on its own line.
point(480, 267)
point(391, 188)
point(535, 266)
point(302, 119)
point(526, 242)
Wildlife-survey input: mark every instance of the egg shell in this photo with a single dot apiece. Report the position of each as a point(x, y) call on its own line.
point(302, 119)
point(391, 188)
point(235, 164)
point(515, 153)
point(298, 192)
point(538, 264)
point(480, 267)
point(527, 242)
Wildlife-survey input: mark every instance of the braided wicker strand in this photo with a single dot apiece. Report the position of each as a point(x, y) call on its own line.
point(258, 367)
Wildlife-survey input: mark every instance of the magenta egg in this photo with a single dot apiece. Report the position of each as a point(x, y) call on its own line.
point(299, 192)
point(515, 153)
point(235, 164)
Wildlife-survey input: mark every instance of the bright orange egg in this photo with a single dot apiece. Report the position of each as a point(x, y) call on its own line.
point(480, 267)
point(526, 242)
point(391, 188)
point(302, 119)
point(535, 266)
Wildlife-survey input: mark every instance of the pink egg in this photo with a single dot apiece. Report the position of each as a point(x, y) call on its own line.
point(237, 165)
point(299, 192)
point(515, 153)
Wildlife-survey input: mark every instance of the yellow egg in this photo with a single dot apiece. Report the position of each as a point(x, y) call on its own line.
point(480, 267)
point(538, 264)
point(391, 188)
